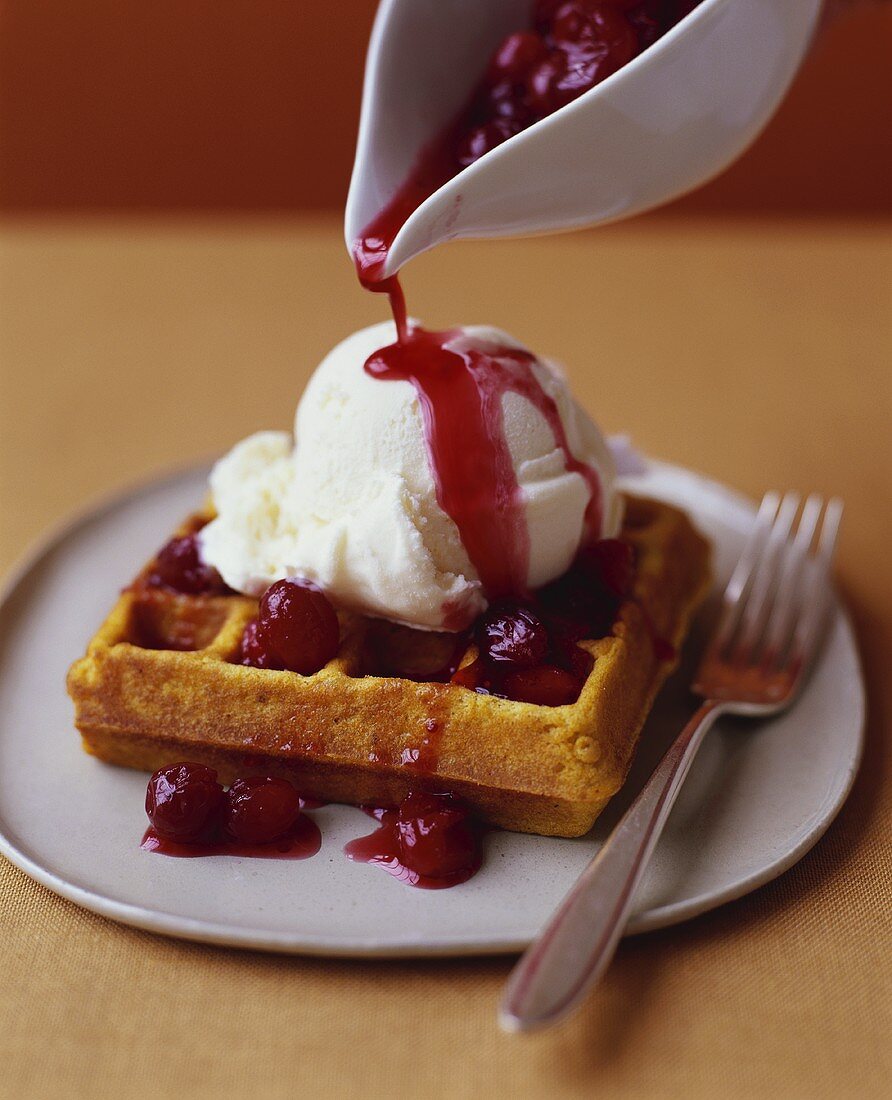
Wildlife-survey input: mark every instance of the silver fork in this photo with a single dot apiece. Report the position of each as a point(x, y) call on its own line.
point(768, 633)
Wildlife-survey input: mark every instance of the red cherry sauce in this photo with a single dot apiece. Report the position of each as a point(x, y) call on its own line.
point(460, 388)
point(528, 648)
point(301, 841)
point(424, 757)
point(430, 841)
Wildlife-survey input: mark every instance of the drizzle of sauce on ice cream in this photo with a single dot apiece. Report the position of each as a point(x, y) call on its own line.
point(460, 389)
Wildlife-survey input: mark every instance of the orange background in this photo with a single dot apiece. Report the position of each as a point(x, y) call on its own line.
point(252, 105)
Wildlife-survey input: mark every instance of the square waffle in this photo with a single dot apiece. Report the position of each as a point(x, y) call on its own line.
point(161, 682)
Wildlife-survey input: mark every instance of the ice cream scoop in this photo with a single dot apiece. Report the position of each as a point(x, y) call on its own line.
point(357, 502)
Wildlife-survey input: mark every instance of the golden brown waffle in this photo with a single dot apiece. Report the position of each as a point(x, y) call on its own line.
point(344, 736)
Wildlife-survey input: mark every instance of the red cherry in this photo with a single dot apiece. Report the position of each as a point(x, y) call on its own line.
point(253, 652)
point(613, 30)
point(592, 39)
point(571, 47)
point(545, 686)
point(508, 103)
point(178, 565)
point(516, 56)
point(436, 838)
point(573, 22)
point(184, 802)
point(482, 139)
point(511, 633)
point(261, 809)
point(648, 21)
point(617, 33)
point(298, 626)
point(543, 83)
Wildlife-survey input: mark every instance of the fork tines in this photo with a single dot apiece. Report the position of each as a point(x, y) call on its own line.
point(774, 606)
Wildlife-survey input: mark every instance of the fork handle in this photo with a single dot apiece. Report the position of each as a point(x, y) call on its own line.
point(574, 949)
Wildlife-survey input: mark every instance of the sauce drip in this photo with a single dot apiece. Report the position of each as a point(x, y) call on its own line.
point(434, 167)
point(460, 387)
point(424, 757)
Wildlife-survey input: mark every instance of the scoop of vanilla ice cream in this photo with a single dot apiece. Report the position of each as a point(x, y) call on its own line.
point(352, 504)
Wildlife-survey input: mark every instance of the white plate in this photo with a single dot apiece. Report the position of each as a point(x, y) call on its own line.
point(758, 798)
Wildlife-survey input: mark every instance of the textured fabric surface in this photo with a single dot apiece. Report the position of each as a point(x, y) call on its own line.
point(758, 353)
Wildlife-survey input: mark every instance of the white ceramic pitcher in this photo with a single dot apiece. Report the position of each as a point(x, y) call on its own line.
point(668, 121)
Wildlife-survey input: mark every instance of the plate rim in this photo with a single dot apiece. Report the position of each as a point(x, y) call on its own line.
point(211, 932)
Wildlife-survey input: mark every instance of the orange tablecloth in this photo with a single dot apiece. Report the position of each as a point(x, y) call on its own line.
point(758, 353)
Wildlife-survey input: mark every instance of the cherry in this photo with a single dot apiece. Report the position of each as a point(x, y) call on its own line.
point(597, 38)
point(528, 651)
point(253, 652)
point(481, 139)
point(260, 809)
point(512, 633)
point(178, 565)
point(435, 835)
point(573, 45)
point(544, 686)
point(516, 56)
point(616, 33)
point(646, 20)
point(590, 39)
point(572, 22)
point(298, 626)
point(543, 83)
point(184, 802)
point(508, 103)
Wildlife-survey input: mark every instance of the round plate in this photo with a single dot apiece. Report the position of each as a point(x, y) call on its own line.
point(758, 797)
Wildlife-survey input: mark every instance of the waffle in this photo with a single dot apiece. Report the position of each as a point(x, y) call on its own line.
point(161, 683)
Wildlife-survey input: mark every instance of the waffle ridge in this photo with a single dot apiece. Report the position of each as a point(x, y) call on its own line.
point(345, 735)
